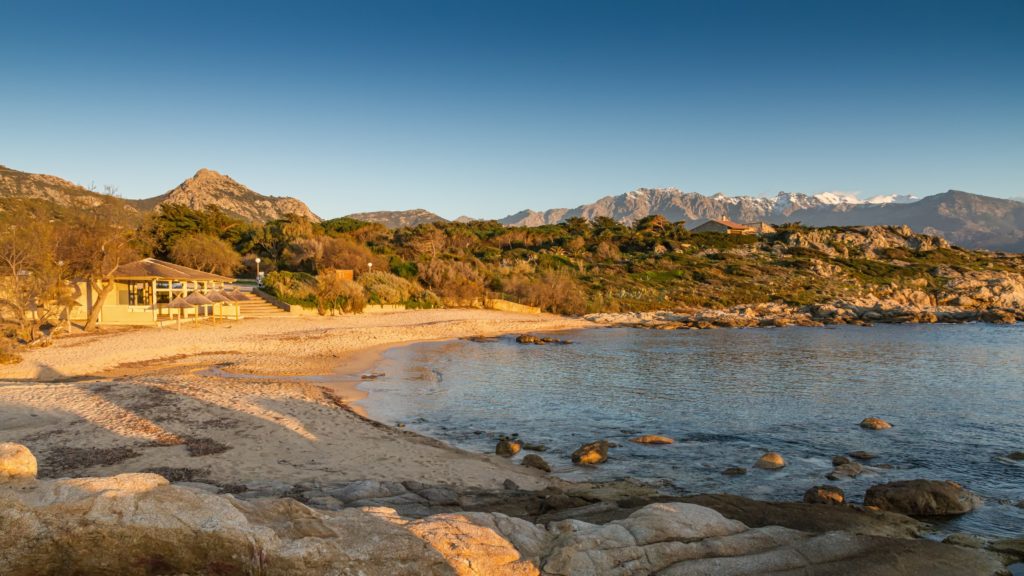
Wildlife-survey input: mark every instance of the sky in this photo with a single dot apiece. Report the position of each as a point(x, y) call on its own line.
point(487, 107)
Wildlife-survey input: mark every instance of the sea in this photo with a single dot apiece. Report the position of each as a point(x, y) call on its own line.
point(953, 393)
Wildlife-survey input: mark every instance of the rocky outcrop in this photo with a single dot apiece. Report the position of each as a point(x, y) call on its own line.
point(136, 524)
point(922, 498)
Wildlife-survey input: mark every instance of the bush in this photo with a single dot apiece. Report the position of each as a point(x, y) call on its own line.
point(292, 287)
point(7, 353)
point(454, 281)
point(385, 288)
point(336, 295)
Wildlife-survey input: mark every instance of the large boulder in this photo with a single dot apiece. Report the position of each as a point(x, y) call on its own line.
point(922, 498)
point(16, 462)
point(592, 453)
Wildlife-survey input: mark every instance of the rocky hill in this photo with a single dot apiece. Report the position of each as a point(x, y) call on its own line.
point(204, 189)
point(50, 189)
point(210, 188)
point(399, 219)
point(965, 219)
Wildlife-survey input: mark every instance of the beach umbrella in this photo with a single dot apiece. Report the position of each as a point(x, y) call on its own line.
point(220, 298)
point(197, 299)
point(181, 304)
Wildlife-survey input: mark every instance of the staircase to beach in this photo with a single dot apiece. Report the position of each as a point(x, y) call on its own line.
point(255, 306)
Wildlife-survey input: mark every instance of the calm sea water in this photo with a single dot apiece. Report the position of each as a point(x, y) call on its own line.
point(955, 395)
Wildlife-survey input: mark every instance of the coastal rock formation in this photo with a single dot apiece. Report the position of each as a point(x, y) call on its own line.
point(824, 495)
point(16, 462)
point(651, 439)
point(872, 423)
point(156, 527)
point(592, 453)
point(922, 498)
point(770, 461)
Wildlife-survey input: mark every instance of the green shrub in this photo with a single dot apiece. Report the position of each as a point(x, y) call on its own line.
point(385, 288)
point(292, 287)
point(333, 294)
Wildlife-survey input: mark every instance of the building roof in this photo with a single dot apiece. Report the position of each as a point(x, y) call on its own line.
point(727, 223)
point(151, 268)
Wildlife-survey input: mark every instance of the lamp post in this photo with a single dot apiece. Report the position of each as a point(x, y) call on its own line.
point(369, 266)
point(257, 270)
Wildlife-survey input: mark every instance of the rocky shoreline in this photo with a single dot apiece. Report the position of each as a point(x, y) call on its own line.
point(387, 528)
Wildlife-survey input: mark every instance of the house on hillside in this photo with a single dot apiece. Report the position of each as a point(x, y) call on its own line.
point(143, 293)
point(724, 226)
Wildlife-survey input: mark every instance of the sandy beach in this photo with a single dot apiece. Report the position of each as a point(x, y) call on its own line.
point(262, 400)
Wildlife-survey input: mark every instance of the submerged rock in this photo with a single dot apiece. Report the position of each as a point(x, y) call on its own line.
point(1016, 456)
point(592, 453)
point(848, 470)
point(16, 462)
point(824, 495)
point(922, 498)
point(652, 439)
point(840, 460)
point(862, 455)
point(873, 423)
point(734, 471)
point(770, 461)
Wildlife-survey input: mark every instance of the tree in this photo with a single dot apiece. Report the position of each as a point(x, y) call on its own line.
point(94, 245)
point(336, 294)
point(30, 280)
point(206, 252)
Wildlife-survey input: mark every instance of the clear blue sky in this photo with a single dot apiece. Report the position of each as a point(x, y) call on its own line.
point(486, 107)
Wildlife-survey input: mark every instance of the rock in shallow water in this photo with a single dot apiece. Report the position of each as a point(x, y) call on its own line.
point(734, 471)
point(535, 461)
point(592, 453)
point(508, 447)
point(824, 495)
point(651, 439)
point(771, 461)
point(922, 498)
point(848, 470)
point(873, 423)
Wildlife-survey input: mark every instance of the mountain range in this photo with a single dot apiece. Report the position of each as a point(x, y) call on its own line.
point(964, 219)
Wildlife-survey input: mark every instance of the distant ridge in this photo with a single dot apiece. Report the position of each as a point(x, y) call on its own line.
point(399, 219)
point(965, 219)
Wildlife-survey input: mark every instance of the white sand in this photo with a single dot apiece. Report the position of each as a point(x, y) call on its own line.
point(150, 390)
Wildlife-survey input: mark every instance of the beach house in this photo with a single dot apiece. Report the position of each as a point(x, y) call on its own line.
point(151, 291)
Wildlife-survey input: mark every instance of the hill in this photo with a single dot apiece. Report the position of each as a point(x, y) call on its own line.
point(210, 188)
point(399, 219)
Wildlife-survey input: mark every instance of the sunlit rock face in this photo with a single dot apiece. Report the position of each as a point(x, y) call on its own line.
point(16, 462)
point(135, 524)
